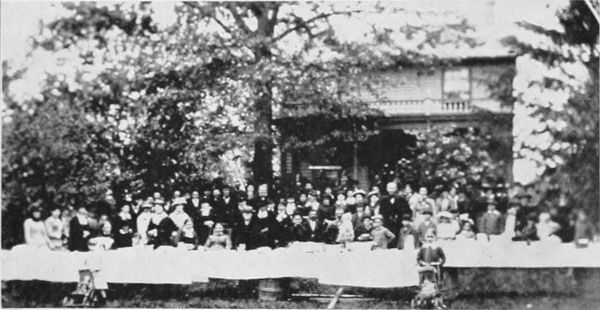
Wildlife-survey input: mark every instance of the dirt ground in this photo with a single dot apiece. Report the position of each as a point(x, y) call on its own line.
point(476, 289)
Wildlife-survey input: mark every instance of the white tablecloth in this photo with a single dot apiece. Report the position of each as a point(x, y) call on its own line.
point(328, 264)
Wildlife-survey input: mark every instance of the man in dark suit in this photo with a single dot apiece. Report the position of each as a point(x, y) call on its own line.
point(246, 230)
point(392, 209)
point(193, 204)
point(263, 198)
point(226, 209)
point(316, 229)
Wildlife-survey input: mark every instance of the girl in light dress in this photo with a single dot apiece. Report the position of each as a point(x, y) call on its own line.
point(218, 240)
point(345, 230)
point(35, 230)
point(55, 229)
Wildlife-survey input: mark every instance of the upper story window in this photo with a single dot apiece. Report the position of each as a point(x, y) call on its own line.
point(456, 84)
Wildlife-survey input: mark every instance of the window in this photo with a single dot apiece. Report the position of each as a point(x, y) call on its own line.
point(456, 84)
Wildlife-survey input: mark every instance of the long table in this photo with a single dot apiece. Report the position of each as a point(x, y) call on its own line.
point(330, 264)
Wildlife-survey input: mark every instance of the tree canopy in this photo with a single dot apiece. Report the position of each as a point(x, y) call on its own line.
point(564, 98)
point(132, 103)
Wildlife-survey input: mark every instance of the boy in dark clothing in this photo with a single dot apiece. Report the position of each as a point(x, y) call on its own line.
point(430, 257)
point(491, 222)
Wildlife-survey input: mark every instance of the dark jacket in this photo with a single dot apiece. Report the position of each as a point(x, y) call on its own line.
point(430, 254)
point(266, 231)
point(360, 230)
point(202, 230)
point(165, 230)
point(282, 231)
point(318, 233)
point(392, 208)
point(246, 233)
point(299, 233)
point(122, 232)
point(76, 240)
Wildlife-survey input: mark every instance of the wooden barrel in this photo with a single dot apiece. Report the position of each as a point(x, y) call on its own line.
point(271, 289)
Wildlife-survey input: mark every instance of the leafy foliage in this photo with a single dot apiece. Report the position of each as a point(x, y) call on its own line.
point(570, 60)
point(449, 157)
point(132, 104)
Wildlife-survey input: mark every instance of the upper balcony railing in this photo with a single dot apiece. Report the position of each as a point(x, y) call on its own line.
point(438, 106)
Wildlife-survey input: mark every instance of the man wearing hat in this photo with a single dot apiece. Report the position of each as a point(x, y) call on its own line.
point(372, 207)
point(143, 220)
point(178, 215)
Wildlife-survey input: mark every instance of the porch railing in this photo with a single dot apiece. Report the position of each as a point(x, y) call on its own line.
point(435, 106)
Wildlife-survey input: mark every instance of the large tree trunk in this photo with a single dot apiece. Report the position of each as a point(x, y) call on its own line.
point(262, 166)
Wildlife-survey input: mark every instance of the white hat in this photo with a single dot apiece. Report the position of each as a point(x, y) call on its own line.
point(445, 214)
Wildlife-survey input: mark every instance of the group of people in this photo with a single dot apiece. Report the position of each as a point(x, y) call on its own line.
point(225, 218)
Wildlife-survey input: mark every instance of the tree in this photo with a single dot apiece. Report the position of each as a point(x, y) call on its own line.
point(156, 106)
point(448, 157)
point(254, 38)
point(564, 98)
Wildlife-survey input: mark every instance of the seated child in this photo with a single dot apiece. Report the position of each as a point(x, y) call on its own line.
point(94, 263)
point(381, 235)
point(528, 232)
point(363, 232)
point(218, 240)
point(345, 230)
point(466, 232)
point(447, 227)
point(429, 256)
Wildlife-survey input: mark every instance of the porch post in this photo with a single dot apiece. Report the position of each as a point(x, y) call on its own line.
point(355, 155)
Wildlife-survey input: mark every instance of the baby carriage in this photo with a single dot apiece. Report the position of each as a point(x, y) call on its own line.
point(86, 294)
point(92, 285)
point(429, 296)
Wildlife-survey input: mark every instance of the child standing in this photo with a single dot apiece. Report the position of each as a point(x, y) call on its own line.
point(345, 230)
point(426, 225)
point(381, 235)
point(584, 230)
point(491, 220)
point(430, 257)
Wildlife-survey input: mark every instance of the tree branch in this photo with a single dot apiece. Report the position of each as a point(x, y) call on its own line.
point(227, 29)
point(309, 21)
point(238, 18)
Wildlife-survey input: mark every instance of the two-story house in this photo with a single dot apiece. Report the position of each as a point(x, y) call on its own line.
point(456, 93)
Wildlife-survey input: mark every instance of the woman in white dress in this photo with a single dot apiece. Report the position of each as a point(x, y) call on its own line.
point(34, 230)
point(55, 229)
